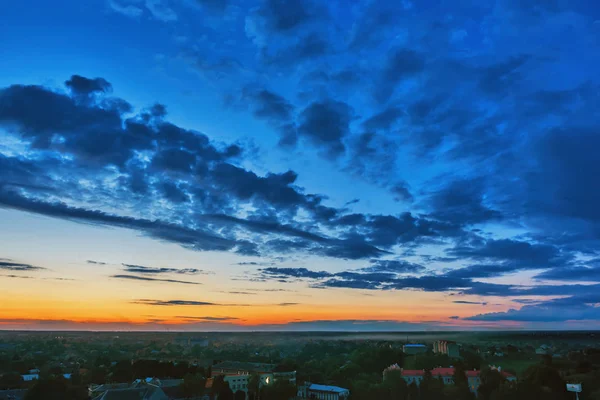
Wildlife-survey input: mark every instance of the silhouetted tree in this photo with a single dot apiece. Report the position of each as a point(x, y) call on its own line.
point(193, 385)
point(55, 389)
point(490, 381)
point(240, 395)
point(11, 380)
point(395, 386)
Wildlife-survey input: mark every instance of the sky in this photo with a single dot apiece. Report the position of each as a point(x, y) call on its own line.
point(207, 165)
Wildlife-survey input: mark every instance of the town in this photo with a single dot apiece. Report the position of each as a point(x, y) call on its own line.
point(286, 366)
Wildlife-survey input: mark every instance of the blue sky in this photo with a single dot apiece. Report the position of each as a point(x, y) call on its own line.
point(417, 152)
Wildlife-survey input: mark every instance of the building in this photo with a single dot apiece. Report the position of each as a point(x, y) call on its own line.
point(322, 392)
point(30, 377)
point(414, 348)
point(144, 392)
point(139, 387)
point(238, 382)
point(268, 373)
point(446, 375)
point(189, 342)
point(446, 347)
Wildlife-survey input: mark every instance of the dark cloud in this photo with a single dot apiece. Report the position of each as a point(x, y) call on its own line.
point(394, 266)
point(470, 302)
point(401, 64)
point(269, 105)
point(140, 269)
point(294, 272)
point(565, 160)
point(174, 302)
point(501, 76)
point(462, 202)
point(282, 17)
point(193, 239)
point(385, 119)
point(214, 5)
point(325, 124)
point(207, 318)
point(241, 292)
point(575, 273)
point(9, 265)
point(560, 310)
point(84, 86)
point(145, 278)
point(520, 252)
point(173, 193)
point(95, 262)
point(18, 276)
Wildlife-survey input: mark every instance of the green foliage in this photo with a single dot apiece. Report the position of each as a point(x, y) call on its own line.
point(225, 393)
point(279, 390)
point(239, 395)
point(394, 386)
point(491, 380)
point(253, 384)
point(431, 388)
point(56, 389)
point(193, 385)
point(11, 380)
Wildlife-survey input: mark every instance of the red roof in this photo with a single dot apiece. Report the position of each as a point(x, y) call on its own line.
point(444, 372)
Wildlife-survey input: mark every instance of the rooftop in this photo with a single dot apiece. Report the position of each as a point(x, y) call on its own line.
point(140, 393)
point(245, 366)
point(327, 388)
point(445, 372)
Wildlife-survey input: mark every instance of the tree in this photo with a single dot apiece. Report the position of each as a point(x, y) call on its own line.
point(279, 390)
point(226, 393)
point(461, 389)
point(11, 380)
point(254, 385)
point(491, 380)
point(55, 389)
point(193, 385)
point(413, 391)
point(395, 385)
point(240, 395)
point(123, 371)
point(431, 388)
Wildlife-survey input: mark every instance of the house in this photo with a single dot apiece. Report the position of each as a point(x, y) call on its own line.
point(446, 375)
point(446, 347)
point(414, 348)
point(543, 349)
point(322, 392)
point(30, 377)
point(144, 392)
point(126, 389)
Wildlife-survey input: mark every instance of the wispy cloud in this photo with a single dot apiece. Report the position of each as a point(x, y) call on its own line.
point(206, 318)
point(10, 265)
point(95, 262)
point(140, 269)
point(481, 303)
point(145, 278)
point(175, 302)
